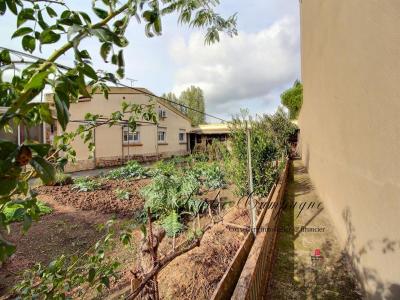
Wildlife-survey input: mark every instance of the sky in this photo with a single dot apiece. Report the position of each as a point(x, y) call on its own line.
point(247, 71)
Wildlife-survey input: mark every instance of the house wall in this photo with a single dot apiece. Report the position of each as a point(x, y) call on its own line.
point(350, 128)
point(110, 148)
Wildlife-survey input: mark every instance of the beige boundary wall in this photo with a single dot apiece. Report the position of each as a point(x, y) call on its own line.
point(350, 128)
point(109, 146)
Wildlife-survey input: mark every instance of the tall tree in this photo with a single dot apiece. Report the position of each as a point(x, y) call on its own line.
point(193, 97)
point(292, 98)
point(175, 101)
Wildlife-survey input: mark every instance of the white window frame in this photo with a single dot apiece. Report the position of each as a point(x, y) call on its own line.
point(183, 132)
point(135, 136)
point(164, 140)
point(162, 113)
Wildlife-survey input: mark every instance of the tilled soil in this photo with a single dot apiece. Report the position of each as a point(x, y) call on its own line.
point(103, 200)
point(65, 231)
point(196, 274)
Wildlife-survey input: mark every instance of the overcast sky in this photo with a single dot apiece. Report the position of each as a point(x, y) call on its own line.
point(246, 71)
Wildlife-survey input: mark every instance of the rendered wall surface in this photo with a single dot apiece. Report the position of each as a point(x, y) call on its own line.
point(350, 128)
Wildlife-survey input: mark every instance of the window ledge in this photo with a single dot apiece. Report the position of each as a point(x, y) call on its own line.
point(182, 142)
point(162, 143)
point(132, 144)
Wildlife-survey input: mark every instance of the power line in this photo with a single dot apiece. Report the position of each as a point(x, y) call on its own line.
point(19, 53)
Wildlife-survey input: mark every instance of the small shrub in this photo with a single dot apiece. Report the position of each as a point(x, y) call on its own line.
point(122, 194)
point(210, 174)
point(63, 179)
point(132, 170)
point(163, 167)
point(86, 184)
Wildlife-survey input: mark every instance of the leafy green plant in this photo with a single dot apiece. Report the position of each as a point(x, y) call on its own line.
point(171, 224)
point(132, 170)
point(269, 137)
point(63, 179)
point(196, 206)
point(15, 212)
point(122, 194)
point(164, 167)
point(86, 184)
point(210, 175)
point(292, 98)
point(167, 194)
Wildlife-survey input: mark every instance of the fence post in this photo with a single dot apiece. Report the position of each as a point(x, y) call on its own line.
point(250, 172)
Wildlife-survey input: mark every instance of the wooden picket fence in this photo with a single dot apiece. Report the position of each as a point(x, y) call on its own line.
point(248, 274)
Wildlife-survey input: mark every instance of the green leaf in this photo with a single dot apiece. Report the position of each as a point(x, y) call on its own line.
point(171, 224)
point(157, 25)
point(51, 12)
point(7, 185)
point(49, 37)
point(45, 113)
point(105, 50)
point(88, 71)
point(3, 7)
point(44, 169)
point(22, 31)
point(6, 249)
point(105, 281)
point(61, 100)
point(37, 81)
point(104, 35)
point(92, 274)
point(100, 13)
point(12, 6)
point(86, 17)
point(41, 21)
point(121, 41)
point(28, 43)
point(25, 15)
point(5, 57)
point(121, 62)
point(40, 149)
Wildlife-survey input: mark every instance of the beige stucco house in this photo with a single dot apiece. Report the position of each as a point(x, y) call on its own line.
point(117, 144)
point(350, 128)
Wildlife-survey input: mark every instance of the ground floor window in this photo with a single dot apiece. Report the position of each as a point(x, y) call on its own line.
point(182, 135)
point(162, 136)
point(131, 136)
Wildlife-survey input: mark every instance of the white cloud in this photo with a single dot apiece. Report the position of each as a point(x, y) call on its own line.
point(242, 70)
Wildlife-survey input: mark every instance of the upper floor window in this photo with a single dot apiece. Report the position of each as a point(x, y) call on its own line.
point(182, 135)
point(131, 136)
point(162, 113)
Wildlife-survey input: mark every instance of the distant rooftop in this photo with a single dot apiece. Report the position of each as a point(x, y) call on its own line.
point(221, 128)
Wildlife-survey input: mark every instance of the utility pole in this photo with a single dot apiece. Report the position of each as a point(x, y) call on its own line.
point(252, 207)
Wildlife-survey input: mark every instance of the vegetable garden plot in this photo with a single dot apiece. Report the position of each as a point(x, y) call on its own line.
point(105, 198)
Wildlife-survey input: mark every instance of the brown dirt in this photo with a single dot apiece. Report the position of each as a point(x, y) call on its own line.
point(103, 200)
point(196, 274)
point(64, 231)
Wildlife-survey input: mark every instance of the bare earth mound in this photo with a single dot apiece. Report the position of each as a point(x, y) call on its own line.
point(103, 200)
point(196, 274)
